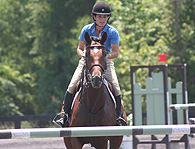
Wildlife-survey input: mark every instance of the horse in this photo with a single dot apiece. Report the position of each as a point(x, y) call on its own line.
point(93, 103)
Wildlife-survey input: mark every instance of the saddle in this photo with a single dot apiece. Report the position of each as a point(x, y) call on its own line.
point(111, 93)
point(58, 120)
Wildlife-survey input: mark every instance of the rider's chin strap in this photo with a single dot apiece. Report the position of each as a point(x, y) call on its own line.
point(98, 25)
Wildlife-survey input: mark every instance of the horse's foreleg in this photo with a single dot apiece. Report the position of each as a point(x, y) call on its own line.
point(72, 143)
point(104, 145)
point(115, 142)
point(67, 143)
point(76, 144)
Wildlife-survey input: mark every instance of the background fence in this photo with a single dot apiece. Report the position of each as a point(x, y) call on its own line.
point(18, 119)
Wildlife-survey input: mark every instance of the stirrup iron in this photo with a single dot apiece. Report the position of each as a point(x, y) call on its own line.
point(59, 121)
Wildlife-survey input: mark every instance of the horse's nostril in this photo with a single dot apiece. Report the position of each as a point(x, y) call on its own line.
point(96, 78)
point(96, 81)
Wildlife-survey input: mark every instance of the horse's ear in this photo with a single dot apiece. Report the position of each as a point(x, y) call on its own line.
point(87, 38)
point(104, 37)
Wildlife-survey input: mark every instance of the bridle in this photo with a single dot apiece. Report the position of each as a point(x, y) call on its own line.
point(89, 76)
point(88, 80)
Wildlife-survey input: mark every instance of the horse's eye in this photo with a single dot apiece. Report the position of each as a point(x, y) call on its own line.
point(104, 54)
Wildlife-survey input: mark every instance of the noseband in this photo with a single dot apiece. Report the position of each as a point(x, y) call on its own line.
point(102, 68)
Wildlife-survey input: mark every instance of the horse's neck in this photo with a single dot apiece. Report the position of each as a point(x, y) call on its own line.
point(94, 97)
point(96, 92)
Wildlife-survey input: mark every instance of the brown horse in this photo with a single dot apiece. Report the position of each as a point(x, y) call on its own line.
point(93, 104)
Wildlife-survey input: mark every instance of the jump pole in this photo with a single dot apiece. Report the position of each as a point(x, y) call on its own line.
point(96, 131)
point(182, 106)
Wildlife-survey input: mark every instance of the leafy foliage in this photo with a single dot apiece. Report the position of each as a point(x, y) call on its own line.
point(39, 39)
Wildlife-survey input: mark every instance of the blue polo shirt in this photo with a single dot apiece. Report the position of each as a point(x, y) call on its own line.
point(112, 34)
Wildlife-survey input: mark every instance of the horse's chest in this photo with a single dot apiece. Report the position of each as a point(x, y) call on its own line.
point(94, 110)
point(83, 117)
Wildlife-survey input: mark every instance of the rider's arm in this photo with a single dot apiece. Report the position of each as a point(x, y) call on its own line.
point(80, 49)
point(115, 51)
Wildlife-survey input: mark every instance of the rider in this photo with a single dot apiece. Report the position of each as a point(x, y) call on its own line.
point(101, 13)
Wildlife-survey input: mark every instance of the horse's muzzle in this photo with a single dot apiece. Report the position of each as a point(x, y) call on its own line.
point(97, 81)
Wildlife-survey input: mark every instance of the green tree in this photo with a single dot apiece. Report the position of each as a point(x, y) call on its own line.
point(182, 28)
point(54, 55)
point(39, 39)
point(16, 85)
point(142, 27)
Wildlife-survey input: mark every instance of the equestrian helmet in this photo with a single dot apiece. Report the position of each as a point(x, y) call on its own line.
point(101, 8)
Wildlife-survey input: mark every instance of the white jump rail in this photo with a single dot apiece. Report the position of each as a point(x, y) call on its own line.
point(182, 106)
point(96, 131)
point(192, 120)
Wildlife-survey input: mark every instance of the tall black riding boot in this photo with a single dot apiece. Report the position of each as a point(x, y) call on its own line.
point(67, 102)
point(118, 110)
point(62, 118)
point(67, 107)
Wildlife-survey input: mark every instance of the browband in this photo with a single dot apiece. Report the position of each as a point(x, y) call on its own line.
point(93, 46)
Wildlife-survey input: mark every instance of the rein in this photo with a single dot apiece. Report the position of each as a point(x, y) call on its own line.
point(86, 86)
point(91, 113)
point(97, 65)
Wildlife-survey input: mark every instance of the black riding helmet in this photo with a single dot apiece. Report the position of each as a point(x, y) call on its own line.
point(101, 8)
